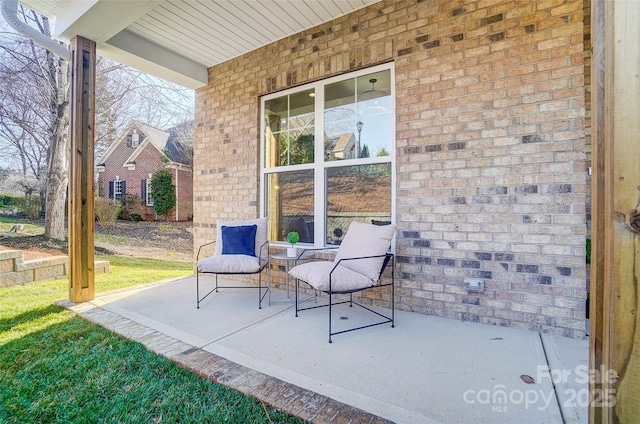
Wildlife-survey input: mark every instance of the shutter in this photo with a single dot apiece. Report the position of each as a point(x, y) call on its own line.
point(110, 189)
point(129, 143)
point(143, 191)
point(124, 189)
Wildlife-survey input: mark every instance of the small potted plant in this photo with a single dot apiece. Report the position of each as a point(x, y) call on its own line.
point(292, 238)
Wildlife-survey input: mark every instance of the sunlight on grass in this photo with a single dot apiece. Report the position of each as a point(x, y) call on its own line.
point(52, 362)
point(124, 272)
point(128, 271)
point(28, 229)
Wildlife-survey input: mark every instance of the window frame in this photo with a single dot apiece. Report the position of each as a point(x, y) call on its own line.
point(136, 138)
point(149, 199)
point(117, 189)
point(320, 165)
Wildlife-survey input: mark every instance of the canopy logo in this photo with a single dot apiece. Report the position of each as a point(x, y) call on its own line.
point(577, 395)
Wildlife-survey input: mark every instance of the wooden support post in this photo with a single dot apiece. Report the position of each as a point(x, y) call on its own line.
point(615, 259)
point(81, 184)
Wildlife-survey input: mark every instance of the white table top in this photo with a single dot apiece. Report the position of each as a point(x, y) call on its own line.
point(283, 255)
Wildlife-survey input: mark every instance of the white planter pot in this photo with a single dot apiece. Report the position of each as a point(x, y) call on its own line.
point(292, 252)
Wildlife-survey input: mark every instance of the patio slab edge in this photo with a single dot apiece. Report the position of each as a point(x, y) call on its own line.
point(276, 393)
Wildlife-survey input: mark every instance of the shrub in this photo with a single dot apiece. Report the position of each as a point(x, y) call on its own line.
point(131, 201)
point(163, 192)
point(31, 205)
point(135, 217)
point(130, 204)
point(106, 210)
point(9, 200)
point(124, 215)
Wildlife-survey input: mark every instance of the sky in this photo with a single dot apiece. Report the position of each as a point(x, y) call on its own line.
point(168, 120)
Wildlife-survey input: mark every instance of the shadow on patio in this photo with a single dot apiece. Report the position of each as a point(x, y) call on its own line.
point(425, 370)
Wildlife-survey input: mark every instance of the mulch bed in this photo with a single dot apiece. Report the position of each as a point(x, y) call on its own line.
point(176, 236)
point(41, 243)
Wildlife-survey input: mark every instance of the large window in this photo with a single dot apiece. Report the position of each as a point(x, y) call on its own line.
point(319, 188)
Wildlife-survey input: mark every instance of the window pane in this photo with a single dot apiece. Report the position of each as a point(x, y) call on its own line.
point(357, 123)
point(357, 193)
point(290, 205)
point(358, 117)
point(149, 199)
point(289, 129)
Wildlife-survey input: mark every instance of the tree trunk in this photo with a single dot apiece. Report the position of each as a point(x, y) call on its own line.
point(57, 177)
point(56, 191)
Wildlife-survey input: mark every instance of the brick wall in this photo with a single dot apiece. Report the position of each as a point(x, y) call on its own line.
point(490, 146)
point(184, 193)
point(147, 162)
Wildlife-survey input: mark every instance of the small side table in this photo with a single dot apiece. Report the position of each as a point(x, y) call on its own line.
point(288, 260)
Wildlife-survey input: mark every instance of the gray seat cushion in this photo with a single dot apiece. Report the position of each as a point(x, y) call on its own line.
point(365, 240)
point(316, 274)
point(361, 240)
point(229, 264)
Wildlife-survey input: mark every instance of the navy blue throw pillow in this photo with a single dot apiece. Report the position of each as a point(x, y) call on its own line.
point(240, 240)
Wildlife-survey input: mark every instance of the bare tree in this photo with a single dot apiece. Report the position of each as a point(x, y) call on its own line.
point(34, 111)
point(182, 137)
point(124, 94)
point(35, 115)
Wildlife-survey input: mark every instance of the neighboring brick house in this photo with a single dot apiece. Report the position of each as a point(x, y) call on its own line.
point(127, 166)
point(478, 149)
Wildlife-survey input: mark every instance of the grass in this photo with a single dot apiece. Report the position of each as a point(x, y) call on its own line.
point(109, 238)
point(29, 229)
point(58, 368)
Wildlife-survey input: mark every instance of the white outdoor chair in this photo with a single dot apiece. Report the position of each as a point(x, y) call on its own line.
point(359, 264)
point(241, 248)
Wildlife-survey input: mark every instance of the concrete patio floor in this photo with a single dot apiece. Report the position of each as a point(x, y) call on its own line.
point(425, 370)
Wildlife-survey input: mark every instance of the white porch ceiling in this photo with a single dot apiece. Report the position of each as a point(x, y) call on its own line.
point(179, 39)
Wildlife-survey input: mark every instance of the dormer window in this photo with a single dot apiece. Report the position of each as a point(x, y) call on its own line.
point(134, 138)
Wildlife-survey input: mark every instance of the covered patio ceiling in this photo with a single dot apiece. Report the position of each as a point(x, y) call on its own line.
point(178, 40)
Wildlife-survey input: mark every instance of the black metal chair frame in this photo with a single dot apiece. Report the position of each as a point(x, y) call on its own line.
point(389, 257)
point(263, 263)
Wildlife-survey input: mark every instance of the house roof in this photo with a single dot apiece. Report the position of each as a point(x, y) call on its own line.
point(176, 150)
point(342, 142)
point(168, 141)
point(157, 137)
point(179, 39)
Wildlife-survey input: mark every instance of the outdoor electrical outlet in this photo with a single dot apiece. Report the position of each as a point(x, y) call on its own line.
point(474, 284)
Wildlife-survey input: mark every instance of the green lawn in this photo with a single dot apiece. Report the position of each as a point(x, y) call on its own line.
point(29, 229)
point(58, 368)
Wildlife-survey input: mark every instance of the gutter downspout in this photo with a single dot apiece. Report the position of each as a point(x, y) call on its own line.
point(10, 14)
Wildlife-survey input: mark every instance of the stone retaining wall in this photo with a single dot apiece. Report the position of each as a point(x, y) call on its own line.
point(15, 270)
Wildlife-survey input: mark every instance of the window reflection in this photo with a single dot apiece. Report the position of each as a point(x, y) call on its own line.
point(327, 166)
point(289, 129)
point(357, 193)
point(290, 205)
point(358, 117)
